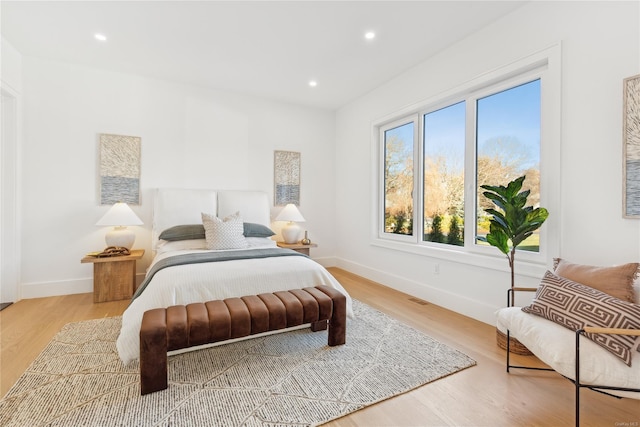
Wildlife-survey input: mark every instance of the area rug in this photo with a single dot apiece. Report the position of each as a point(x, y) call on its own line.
point(291, 378)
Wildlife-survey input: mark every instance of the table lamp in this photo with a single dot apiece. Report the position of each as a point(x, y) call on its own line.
point(291, 231)
point(120, 216)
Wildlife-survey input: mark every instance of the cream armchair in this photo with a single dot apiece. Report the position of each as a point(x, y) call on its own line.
point(572, 354)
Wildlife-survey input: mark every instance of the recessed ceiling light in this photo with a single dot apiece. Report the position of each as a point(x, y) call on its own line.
point(101, 37)
point(369, 35)
point(313, 83)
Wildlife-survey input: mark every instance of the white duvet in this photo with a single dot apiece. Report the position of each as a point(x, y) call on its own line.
point(185, 284)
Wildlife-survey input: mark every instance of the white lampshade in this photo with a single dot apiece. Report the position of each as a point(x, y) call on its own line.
point(291, 231)
point(290, 213)
point(120, 215)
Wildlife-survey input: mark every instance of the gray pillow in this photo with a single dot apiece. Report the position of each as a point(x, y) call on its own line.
point(183, 232)
point(256, 230)
point(196, 231)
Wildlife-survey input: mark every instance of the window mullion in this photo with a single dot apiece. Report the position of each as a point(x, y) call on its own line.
point(418, 186)
point(470, 167)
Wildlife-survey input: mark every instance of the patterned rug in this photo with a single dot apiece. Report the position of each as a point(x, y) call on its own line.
point(291, 379)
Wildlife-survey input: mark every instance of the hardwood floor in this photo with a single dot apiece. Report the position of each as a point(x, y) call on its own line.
point(484, 395)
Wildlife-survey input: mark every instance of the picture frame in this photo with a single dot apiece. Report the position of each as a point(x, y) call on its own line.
point(119, 169)
point(286, 174)
point(631, 147)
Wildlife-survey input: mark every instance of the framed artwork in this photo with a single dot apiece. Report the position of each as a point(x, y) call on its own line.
point(119, 169)
point(286, 166)
point(631, 141)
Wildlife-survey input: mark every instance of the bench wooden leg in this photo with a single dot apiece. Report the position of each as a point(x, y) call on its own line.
point(153, 351)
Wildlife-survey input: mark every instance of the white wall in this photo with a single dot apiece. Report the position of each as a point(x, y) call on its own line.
point(600, 44)
point(186, 129)
point(191, 137)
point(10, 66)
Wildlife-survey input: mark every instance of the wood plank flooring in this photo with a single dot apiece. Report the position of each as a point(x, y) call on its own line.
point(484, 395)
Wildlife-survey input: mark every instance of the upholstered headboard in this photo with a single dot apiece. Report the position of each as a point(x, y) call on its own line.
point(172, 206)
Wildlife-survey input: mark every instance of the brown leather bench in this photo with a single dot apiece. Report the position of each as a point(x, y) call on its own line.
point(178, 327)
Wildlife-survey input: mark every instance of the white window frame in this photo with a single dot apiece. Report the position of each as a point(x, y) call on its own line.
point(381, 183)
point(545, 65)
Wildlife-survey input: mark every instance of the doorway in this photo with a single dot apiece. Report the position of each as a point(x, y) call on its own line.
point(9, 235)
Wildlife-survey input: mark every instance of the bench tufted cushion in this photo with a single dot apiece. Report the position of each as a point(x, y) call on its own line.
point(179, 327)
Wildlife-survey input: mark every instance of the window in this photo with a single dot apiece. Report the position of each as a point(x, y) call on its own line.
point(508, 146)
point(398, 178)
point(434, 156)
point(443, 165)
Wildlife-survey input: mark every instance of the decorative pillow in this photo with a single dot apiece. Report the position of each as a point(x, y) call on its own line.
point(224, 233)
point(575, 306)
point(196, 231)
point(616, 281)
point(183, 232)
point(256, 230)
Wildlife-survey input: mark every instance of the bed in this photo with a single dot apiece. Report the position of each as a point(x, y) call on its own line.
point(184, 271)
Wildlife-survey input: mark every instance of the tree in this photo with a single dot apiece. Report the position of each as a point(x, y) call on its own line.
point(436, 234)
point(455, 232)
point(443, 187)
point(503, 159)
point(398, 183)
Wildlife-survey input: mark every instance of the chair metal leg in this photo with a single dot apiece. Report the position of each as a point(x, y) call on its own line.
point(508, 350)
point(577, 378)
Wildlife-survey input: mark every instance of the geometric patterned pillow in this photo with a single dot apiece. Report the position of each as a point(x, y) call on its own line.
point(575, 306)
point(225, 233)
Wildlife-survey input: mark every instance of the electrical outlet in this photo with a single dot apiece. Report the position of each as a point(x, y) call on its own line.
point(436, 269)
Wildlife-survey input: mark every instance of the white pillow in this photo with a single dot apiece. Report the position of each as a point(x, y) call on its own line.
point(180, 245)
point(260, 242)
point(224, 233)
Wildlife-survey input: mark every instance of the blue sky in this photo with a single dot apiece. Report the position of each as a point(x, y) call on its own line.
point(512, 114)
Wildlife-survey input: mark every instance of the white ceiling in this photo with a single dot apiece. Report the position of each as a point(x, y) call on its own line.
point(264, 48)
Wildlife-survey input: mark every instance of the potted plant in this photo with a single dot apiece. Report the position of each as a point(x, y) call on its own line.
point(513, 221)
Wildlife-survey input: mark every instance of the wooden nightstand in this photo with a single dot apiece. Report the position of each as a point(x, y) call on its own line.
point(114, 278)
point(298, 247)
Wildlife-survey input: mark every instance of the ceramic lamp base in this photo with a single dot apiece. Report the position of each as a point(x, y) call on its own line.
point(120, 236)
point(291, 233)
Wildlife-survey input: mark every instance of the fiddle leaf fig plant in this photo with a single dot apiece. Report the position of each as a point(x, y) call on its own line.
point(512, 222)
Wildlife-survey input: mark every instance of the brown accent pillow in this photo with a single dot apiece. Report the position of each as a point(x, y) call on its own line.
point(616, 281)
point(575, 306)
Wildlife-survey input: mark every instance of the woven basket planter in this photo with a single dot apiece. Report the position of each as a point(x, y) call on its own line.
point(515, 346)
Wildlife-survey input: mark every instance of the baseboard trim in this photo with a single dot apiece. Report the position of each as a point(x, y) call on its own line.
point(458, 303)
point(62, 287)
point(50, 289)
point(455, 302)
point(326, 261)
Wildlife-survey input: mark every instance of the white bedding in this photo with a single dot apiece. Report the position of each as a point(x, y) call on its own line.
point(185, 284)
point(555, 346)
